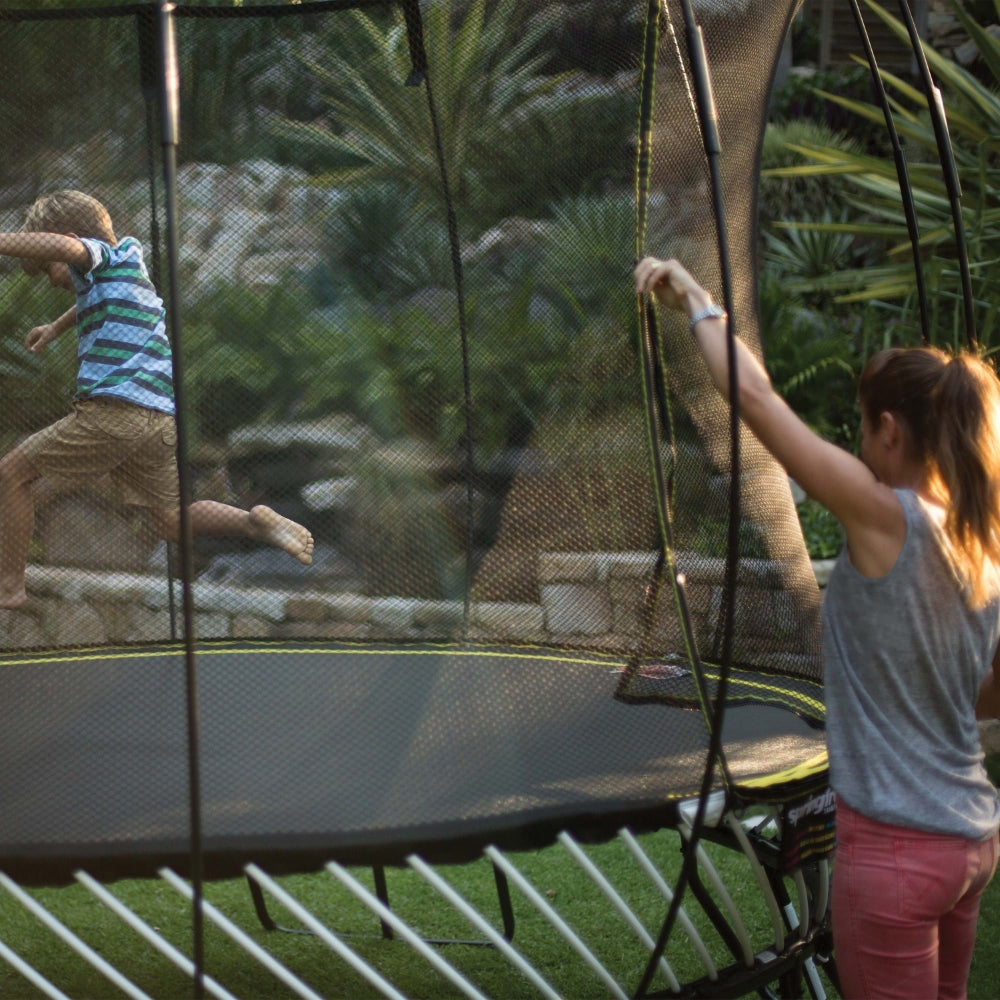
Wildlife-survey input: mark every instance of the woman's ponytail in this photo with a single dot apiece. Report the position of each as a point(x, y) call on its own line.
point(950, 407)
point(965, 448)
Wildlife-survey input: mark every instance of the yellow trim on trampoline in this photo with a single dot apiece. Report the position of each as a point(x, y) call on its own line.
point(313, 649)
point(737, 676)
point(807, 769)
point(775, 694)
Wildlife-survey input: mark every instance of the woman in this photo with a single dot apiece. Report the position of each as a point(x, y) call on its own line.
point(911, 622)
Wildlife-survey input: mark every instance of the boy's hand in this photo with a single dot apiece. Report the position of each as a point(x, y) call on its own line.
point(39, 336)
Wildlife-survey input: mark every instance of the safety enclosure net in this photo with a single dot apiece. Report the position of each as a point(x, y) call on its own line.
point(395, 245)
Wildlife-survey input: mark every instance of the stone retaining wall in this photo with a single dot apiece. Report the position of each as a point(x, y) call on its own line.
point(586, 599)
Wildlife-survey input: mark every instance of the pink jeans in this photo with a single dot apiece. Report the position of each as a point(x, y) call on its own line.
point(905, 906)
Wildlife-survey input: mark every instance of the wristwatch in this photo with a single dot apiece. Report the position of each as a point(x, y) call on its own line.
point(712, 311)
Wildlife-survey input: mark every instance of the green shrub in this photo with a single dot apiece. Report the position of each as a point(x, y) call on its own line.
point(876, 204)
point(823, 534)
point(783, 197)
point(34, 389)
point(812, 357)
point(798, 100)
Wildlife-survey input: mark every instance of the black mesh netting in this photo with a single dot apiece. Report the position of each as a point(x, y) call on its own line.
point(403, 240)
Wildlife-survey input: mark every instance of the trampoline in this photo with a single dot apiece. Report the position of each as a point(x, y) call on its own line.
point(558, 597)
point(360, 754)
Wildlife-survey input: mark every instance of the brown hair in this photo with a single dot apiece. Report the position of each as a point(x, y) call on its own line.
point(950, 408)
point(69, 211)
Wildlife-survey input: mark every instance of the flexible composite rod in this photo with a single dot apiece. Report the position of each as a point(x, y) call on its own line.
point(902, 172)
point(708, 122)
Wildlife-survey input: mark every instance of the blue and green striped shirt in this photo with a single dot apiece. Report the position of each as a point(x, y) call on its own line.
point(123, 347)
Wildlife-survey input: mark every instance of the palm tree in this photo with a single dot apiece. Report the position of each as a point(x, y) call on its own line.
point(485, 70)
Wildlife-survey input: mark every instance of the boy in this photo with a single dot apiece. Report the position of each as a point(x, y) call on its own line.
point(122, 422)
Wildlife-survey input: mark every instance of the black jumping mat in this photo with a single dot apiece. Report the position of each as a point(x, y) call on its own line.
point(363, 754)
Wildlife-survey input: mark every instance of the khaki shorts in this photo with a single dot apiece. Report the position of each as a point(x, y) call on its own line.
point(133, 445)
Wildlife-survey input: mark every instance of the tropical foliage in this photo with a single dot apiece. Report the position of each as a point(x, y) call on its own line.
point(485, 69)
point(39, 66)
point(490, 77)
point(875, 204)
point(33, 388)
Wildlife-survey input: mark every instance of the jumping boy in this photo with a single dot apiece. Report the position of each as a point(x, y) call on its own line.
point(122, 423)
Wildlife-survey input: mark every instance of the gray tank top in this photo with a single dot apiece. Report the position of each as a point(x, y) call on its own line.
point(903, 659)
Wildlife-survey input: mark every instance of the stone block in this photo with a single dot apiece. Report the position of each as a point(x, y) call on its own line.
point(516, 622)
point(250, 627)
point(636, 565)
point(568, 567)
point(576, 609)
point(212, 626)
point(822, 568)
point(76, 624)
point(442, 617)
point(20, 630)
point(215, 597)
point(321, 631)
point(350, 608)
point(118, 618)
point(307, 609)
point(149, 625)
point(626, 595)
point(989, 735)
point(394, 614)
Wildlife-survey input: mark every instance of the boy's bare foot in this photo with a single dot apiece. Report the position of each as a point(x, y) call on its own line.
point(12, 596)
point(269, 526)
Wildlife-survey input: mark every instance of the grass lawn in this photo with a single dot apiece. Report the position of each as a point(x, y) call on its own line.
point(551, 871)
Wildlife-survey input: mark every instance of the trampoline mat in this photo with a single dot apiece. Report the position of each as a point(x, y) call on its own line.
point(362, 754)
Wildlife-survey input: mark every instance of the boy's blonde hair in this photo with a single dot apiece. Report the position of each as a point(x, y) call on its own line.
point(67, 211)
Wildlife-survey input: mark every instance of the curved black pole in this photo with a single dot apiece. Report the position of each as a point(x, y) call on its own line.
point(415, 40)
point(659, 427)
point(149, 76)
point(902, 173)
point(419, 74)
point(708, 121)
point(170, 123)
point(946, 154)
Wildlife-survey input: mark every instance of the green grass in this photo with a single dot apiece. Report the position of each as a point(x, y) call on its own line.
point(551, 871)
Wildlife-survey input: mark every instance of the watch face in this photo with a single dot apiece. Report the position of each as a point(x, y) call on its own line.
point(712, 311)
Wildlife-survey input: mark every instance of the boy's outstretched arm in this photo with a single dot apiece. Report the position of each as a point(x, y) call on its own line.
point(45, 247)
point(38, 337)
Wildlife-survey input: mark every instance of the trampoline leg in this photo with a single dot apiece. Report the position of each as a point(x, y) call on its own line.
point(269, 924)
point(714, 914)
point(265, 918)
point(260, 906)
point(382, 892)
point(503, 898)
point(827, 961)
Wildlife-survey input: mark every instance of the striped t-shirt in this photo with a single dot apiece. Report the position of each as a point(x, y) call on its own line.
point(123, 347)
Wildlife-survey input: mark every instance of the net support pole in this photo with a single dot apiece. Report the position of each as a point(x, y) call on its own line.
point(946, 155)
point(708, 124)
point(170, 134)
point(902, 173)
